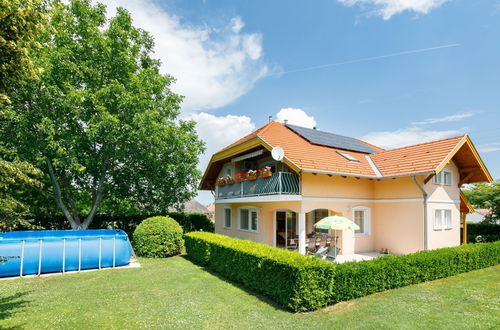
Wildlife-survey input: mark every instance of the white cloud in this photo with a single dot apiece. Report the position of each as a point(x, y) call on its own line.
point(388, 8)
point(213, 65)
point(407, 136)
point(296, 117)
point(445, 119)
point(489, 147)
point(237, 24)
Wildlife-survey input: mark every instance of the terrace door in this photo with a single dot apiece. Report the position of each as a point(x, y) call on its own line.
point(286, 229)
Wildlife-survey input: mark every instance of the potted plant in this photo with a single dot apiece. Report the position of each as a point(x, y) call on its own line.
point(221, 182)
point(229, 179)
point(265, 172)
point(240, 177)
point(251, 175)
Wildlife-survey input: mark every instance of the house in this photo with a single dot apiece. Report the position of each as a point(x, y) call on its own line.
point(478, 215)
point(404, 200)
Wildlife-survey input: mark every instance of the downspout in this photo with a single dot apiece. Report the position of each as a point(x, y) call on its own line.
point(424, 194)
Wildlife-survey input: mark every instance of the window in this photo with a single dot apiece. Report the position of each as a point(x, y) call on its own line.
point(442, 219)
point(361, 217)
point(347, 156)
point(443, 177)
point(227, 217)
point(317, 216)
point(248, 219)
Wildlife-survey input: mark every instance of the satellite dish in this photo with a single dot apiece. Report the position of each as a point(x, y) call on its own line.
point(278, 153)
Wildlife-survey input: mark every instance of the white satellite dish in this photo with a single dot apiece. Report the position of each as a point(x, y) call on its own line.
point(278, 153)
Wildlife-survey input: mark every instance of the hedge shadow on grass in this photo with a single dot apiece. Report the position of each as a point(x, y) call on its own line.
point(10, 305)
point(251, 292)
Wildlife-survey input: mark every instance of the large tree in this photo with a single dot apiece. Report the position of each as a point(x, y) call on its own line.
point(102, 121)
point(485, 196)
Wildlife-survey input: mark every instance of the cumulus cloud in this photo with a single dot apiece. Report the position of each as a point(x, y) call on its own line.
point(408, 136)
point(389, 8)
point(213, 65)
point(296, 117)
point(456, 117)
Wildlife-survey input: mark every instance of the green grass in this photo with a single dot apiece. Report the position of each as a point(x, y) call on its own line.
point(174, 293)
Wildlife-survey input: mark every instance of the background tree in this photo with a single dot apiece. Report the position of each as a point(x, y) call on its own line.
point(485, 196)
point(102, 121)
point(20, 21)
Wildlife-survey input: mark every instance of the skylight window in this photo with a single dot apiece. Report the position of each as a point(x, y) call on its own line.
point(347, 156)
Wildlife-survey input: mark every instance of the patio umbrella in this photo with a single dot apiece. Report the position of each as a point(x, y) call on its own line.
point(336, 222)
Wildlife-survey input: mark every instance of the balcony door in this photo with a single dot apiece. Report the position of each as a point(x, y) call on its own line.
point(286, 229)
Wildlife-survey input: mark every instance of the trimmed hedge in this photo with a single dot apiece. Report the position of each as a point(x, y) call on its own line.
point(188, 221)
point(158, 237)
point(294, 281)
point(358, 279)
point(303, 283)
point(488, 232)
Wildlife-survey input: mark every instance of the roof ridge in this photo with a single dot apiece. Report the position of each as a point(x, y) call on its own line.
point(420, 144)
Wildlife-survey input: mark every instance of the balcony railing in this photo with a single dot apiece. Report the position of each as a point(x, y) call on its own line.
point(281, 183)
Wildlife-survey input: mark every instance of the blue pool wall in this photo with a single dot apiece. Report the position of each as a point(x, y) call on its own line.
point(54, 242)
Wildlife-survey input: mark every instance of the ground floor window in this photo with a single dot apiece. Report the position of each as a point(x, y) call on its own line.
point(227, 217)
point(361, 217)
point(249, 219)
point(442, 219)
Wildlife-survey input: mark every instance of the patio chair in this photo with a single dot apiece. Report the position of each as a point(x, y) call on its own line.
point(321, 253)
point(331, 255)
point(322, 242)
point(311, 245)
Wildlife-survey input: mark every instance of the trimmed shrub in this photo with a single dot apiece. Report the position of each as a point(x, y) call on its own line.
point(303, 283)
point(158, 237)
point(292, 280)
point(488, 232)
point(358, 279)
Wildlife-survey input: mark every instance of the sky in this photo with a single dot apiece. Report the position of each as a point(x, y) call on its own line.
point(391, 72)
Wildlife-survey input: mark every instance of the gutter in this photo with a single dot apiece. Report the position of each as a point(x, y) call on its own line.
point(424, 194)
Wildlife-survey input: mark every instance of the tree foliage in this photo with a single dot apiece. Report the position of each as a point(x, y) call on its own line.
point(20, 21)
point(102, 121)
point(486, 196)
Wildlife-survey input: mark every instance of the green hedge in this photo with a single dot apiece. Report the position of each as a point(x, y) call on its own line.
point(358, 279)
point(294, 281)
point(303, 283)
point(188, 221)
point(158, 237)
point(488, 232)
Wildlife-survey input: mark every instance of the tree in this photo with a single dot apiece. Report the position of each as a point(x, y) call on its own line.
point(20, 21)
point(486, 196)
point(102, 121)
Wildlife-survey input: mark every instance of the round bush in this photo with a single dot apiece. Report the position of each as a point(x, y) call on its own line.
point(158, 237)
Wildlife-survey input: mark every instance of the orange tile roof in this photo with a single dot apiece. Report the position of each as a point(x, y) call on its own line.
point(419, 158)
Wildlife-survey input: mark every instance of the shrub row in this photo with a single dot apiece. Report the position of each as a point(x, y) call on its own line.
point(294, 281)
point(358, 279)
point(188, 221)
point(488, 232)
point(303, 283)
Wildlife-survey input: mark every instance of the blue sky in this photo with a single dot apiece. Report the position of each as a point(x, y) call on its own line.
point(231, 60)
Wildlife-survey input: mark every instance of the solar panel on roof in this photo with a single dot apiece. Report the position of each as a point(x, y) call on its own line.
point(331, 140)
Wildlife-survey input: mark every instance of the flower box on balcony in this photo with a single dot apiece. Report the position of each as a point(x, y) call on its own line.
point(230, 181)
point(240, 179)
point(266, 175)
point(251, 178)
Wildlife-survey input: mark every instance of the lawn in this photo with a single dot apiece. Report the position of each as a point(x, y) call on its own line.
point(174, 293)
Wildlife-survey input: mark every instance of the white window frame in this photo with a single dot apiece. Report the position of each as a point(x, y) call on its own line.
point(440, 178)
point(250, 210)
point(230, 219)
point(443, 225)
point(367, 219)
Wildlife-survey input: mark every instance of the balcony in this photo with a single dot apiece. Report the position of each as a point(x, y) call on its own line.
point(281, 183)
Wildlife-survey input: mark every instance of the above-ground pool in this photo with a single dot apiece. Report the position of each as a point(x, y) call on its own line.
point(49, 251)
